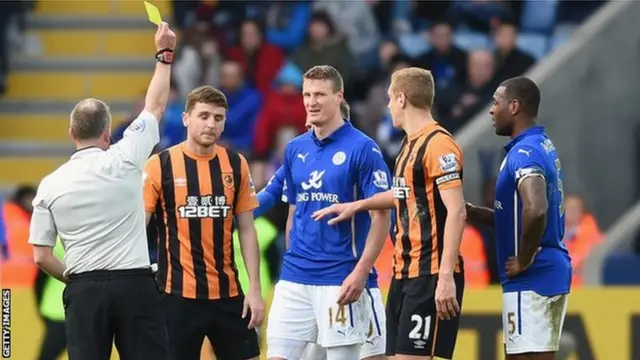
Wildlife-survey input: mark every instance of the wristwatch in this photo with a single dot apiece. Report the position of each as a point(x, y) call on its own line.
point(165, 56)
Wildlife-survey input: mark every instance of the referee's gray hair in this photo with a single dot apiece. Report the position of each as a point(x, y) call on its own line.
point(90, 118)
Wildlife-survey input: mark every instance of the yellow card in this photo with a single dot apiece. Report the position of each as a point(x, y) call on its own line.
point(153, 13)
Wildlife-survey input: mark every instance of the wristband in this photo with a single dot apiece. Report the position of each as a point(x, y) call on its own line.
point(165, 56)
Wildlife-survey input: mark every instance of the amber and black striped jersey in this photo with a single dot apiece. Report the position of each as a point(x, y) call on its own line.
point(429, 161)
point(194, 200)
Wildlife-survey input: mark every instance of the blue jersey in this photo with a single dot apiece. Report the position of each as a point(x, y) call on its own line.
point(346, 166)
point(271, 194)
point(532, 154)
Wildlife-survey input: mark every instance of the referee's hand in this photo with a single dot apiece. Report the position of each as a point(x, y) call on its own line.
point(253, 306)
point(165, 37)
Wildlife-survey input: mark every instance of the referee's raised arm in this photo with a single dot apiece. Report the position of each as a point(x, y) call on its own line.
point(158, 91)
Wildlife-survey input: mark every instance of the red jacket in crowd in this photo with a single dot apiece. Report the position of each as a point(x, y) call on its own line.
point(280, 110)
point(267, 64)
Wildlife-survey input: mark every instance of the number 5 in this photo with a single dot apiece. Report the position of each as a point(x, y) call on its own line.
point(511, 323)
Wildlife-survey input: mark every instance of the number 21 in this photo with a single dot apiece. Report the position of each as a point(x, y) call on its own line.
point(422, 325)
point(560, 186)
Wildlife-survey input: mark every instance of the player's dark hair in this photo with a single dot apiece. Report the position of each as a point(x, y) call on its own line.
point(89, 119)
point(206, 95)
point(525, 91)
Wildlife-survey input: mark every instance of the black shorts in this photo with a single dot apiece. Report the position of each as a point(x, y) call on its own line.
point(413, 327)
point(190, 320)
point(125, 306)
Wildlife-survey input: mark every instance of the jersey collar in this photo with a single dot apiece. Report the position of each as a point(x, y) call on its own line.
point(340, 132)
point(84, 151)
point(534, 130)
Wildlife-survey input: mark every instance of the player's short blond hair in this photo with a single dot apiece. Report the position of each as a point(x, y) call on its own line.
point(326, 72)
point(345, 109)
point(417, 85)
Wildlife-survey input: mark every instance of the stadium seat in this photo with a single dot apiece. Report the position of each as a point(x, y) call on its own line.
point(621, 269)
point(539, 16)
point(533, 44)
point(413, 44)
point(467, 40)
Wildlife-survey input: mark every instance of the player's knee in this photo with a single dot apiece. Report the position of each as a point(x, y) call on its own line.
point(285, 349)
point(348, 352)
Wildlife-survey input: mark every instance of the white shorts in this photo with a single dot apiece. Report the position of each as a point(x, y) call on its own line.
point(532, 322)
point(376, 337)
point(310, 313)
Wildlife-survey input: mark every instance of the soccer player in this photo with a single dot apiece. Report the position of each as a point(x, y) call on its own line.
point(326, 268)
point(528, 217)
point(426, 290)
point(199, 192)
point(374, 346)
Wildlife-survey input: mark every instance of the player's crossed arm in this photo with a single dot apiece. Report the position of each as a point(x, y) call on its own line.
point(345, 211)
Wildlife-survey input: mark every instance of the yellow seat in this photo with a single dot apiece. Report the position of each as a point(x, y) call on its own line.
point(113, 43)
point(27, 170)
point(72, 86)
point(100, 7)
point(37, 127)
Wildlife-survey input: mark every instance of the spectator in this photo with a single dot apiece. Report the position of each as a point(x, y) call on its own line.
point(356, 21)
point(373, 116)
point(474, 253)
point(172, 130)
point(283, 107)
point(286, 23)
point(17, 217)
point(138, 106)
point(244, 106)
point(460, 102)
point(480, 15)
point(581, 234)
point(260, 60)
point(198, 61)
point(510, 61)
point(447, 62)
point(325, 46)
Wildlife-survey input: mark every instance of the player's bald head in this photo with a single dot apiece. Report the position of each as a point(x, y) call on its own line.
point(90, 118)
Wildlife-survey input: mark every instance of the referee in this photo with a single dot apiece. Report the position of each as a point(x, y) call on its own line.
point(94, 202)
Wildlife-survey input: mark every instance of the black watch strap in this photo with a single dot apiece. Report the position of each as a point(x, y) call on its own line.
point(165, 56)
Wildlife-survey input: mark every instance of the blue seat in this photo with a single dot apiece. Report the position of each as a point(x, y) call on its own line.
point(561, 35)
point(413, 44)
point(533, 44)
point(467, 40)
point(539, 16)
point(621, 269)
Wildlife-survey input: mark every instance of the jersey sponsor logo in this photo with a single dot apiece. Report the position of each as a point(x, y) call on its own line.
point(400, 188)
point(205, 206)
point(315, 180)
point(448, 162)
point(339, 158)
point(315, 183)
point(380, 179)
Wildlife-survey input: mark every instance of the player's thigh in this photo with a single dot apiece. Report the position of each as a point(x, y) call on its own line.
point(420, 332)
point(392, 314)
point(314, 352)
point(291, 315)
point(532, 323)
point(228, 332)
point(340, 325)
point(377, 334)
point(186, 326)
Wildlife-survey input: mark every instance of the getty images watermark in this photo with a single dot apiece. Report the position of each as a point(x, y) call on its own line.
point(6, 323)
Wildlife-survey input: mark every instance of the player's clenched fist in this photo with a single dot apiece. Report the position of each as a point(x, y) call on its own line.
point(165, 37)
